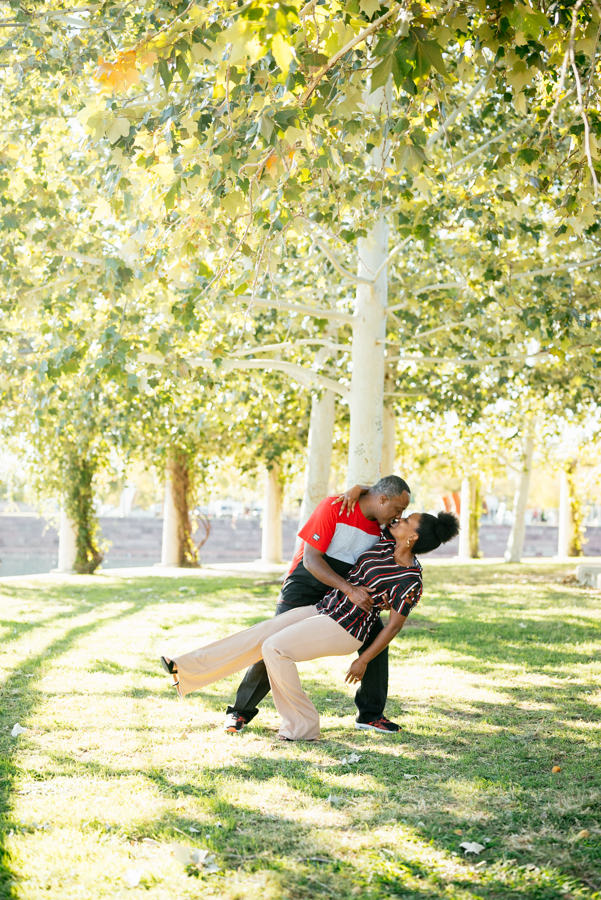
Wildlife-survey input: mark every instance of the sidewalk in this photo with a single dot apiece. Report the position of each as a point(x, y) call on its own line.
point(276, 571)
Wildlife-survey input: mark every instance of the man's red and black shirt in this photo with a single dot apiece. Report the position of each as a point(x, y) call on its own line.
point(341, 538)
point(376, 569)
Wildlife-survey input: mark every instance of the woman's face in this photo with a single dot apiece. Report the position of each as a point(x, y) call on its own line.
point(405, 529)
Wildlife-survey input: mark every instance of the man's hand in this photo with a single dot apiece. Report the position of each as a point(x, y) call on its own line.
point(348, 500)
point(386, 602)
point(360, 596)
point(356, 671)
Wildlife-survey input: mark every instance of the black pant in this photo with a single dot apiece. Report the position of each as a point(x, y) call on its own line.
point(370, 698)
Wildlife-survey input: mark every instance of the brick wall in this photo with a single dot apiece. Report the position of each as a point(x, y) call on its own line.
point(229, 540)
point(140, 539)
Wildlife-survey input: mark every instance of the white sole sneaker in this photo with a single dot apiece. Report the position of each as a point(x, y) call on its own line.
point(361, 726)
point(230, 727)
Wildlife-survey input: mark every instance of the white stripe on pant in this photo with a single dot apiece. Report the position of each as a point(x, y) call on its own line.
point(296, 636)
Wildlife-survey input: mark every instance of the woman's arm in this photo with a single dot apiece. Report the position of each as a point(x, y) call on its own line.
point(348, 500)
point(358, 666)
point(315, 564)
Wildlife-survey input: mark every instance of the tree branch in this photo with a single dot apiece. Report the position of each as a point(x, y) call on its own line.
point(358, 39)
point(423, 334)
point(338, 265)
point(307, 8)
point(80, 257)
point(515, 276)
point(551, 269)
point(391, 254)
point(263, 348)
point(564, 70)
point(40, 287)
point(474, 153)
point(305, 310)
point(585, 122)
point(457, 112)
point(460, 361)
point(443, 286)
point(304, 376)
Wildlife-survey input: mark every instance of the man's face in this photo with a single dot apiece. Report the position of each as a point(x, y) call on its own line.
point(390, 509)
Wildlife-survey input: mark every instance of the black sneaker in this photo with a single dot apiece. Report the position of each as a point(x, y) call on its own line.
point(381, 724)
point(234, 723)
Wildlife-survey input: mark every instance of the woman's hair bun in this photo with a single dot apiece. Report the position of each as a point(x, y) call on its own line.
point(435, 530)
point(447, 526)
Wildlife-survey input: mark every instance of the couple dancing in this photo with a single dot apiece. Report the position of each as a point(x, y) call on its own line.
point(355, 561)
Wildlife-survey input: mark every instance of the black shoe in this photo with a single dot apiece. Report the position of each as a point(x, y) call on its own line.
point(168, 665)
point(379, 724)
point(234, 723)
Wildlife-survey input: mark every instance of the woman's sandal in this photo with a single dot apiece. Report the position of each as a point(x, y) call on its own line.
point(168, 665)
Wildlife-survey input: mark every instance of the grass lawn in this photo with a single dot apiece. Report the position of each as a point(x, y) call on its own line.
point(495, 681)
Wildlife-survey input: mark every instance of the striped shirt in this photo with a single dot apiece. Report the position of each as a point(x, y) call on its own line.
point(342, 539)
point(376, 569)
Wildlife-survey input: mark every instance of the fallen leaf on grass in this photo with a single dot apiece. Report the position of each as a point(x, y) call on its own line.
point(556, 769)
point(191, 856)
point(17, 730)
point(472, 847)
point(193, 830)
point(335, 800)
point(133, 877)
point(150, 841)
point(408, 777)
point(583, 834)
point(352, 758)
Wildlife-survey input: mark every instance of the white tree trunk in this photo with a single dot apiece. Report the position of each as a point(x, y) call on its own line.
point(566, 525)
point(170, 550)
point(319, 453)
point(367, 380)
point(388, 441)
point(271, 538)
point(517, 535)
point(464, 521)
point(67, 548)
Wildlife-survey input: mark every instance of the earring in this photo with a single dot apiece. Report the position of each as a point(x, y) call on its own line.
point(408, 542)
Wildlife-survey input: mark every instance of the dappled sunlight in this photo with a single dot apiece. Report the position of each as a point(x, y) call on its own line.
point(114, 769)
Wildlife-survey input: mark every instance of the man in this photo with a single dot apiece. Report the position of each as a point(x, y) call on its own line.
point(332, 544)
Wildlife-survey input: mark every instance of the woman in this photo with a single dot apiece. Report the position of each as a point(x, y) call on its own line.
point(335, 627)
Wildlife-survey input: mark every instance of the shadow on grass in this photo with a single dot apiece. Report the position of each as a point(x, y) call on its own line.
point(28, 699)
point(251, 841)
point(489, 759)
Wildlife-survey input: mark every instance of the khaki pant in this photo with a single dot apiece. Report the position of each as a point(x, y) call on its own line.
point(295, 636)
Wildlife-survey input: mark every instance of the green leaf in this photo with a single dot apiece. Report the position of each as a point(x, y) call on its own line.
point(282, 52)
point(166, 73)
point(182, 68)
point(381, 74)
point(369, 7)
point(410, 158)
point(430, 51)
point(528, 155)
point(266, 127)
point(172, 194)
